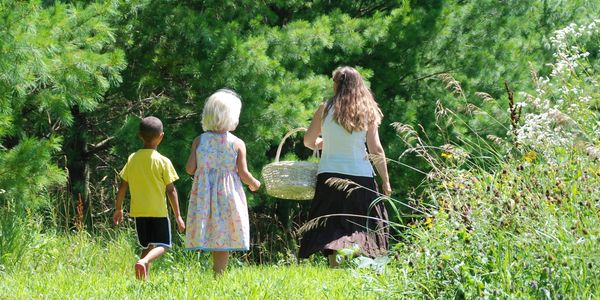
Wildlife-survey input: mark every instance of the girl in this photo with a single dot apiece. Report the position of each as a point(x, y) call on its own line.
point(347, 121)
point(218, 214)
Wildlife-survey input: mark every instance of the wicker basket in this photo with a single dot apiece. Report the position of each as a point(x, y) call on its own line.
point(293, 180)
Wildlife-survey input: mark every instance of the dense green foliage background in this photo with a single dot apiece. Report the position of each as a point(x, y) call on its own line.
point(491, 126)
point(76, 77)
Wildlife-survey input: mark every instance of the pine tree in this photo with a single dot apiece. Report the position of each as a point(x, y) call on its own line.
point(55, 65)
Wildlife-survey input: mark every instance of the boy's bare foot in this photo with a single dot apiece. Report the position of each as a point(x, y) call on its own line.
point(141, 271)
point(147, 270)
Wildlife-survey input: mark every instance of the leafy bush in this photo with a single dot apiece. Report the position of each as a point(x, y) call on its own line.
point(27, 174)
point(518, 217)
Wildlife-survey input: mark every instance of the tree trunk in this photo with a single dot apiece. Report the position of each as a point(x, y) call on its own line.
point(76, 149)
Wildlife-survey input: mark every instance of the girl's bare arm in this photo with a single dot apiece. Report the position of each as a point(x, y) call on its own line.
point(242, 167)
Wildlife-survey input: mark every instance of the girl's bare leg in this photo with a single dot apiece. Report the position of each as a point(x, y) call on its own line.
point(333, 263)
point(220, 259)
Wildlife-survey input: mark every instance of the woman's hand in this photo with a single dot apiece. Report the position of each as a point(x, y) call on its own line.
point(319, 143)
point(387, 189)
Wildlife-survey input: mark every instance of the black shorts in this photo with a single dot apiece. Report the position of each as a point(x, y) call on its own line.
point(153, 231)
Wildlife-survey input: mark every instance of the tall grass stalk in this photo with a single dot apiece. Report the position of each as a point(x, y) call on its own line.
point(521, 222)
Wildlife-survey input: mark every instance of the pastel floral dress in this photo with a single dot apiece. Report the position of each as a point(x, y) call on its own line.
point(217, 216)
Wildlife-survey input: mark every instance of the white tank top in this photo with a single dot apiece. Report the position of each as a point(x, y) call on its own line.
point(343, 152)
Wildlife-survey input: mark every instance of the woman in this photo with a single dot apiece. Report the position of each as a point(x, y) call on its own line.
point(346, 122)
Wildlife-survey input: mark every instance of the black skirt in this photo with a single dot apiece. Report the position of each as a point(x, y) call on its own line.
point(328, 234)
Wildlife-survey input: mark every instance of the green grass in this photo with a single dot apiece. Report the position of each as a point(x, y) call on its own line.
point(529, 230)
point(81, 267)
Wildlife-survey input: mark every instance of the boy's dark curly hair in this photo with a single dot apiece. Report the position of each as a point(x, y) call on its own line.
point(150, 128)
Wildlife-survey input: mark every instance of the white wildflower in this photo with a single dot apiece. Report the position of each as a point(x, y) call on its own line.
point(548, 119)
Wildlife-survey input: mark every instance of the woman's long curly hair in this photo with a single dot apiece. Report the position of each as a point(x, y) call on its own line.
point(353, 105)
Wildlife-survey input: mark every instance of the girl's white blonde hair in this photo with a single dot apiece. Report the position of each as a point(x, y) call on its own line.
point(221, 111)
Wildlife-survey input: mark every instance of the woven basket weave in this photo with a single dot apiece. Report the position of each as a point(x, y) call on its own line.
point(293, 180)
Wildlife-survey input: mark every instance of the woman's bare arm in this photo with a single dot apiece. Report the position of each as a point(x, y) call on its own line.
point(311, 137)
point(379, 160)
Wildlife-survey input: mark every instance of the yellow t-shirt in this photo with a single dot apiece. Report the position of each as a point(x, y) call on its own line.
point(148, 174)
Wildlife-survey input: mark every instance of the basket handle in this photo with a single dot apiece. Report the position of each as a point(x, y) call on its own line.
point(315, 152)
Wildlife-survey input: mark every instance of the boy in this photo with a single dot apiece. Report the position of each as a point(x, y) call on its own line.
point(149, 175)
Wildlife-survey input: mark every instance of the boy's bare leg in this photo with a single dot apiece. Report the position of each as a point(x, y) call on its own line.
point(220, 259)
point(144, 253)
point(149, 254)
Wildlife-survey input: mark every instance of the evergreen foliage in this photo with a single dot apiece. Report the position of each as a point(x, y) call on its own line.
point(76, 77)
point(278, 55)
point(54, 60)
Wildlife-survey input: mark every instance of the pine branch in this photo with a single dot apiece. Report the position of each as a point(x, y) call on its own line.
point(429, 75)
point(97, 147)
point(139, 103)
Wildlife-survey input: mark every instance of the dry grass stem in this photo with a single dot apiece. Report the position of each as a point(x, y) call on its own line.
point(495, 139)
point(485, 96)
point(456, 152)
point(534, 75)
point(451, 83)
point(341, 184)
point(471, 108)
point(440, 110)
point(403, 128)
point(349, 186)
point(322, 220)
